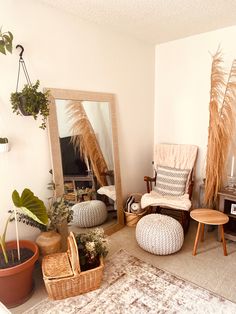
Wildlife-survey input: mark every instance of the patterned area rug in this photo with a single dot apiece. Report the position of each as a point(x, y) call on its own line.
point(133, 286)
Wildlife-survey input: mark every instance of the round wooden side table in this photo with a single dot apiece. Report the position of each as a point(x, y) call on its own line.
point(205, 216)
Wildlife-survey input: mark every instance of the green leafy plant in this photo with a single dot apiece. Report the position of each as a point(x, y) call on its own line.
point(3, 140)
point(6, 39)
point(59, 211)
point(91, 245)
point(30, 101)
point(30, 206)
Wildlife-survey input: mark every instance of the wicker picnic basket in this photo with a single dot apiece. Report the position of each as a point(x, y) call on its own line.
point(63, 277)
point(132, 219)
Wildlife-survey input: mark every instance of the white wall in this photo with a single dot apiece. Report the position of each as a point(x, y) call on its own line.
point(65, 52)
point(182, 88)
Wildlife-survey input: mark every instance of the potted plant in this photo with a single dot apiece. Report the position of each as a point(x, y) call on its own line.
point(17, 258)
point(91, 246)
point(31, 102)
point(60, 214)
point(54, 238)
point(6, 39)
point(4, 147)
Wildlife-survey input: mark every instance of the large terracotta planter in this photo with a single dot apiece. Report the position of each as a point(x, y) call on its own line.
point(16, 283)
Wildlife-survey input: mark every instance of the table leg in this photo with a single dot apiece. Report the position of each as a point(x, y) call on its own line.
point(202, 232)
point(223, 239)
point(196, 239)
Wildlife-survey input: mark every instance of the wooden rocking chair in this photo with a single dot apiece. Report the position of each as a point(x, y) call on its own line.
point(169, 192)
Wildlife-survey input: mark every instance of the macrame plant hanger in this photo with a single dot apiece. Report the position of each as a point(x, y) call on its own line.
point(23, 66)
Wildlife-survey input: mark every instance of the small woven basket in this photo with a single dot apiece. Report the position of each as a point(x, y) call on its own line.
point(132, 219)
point(63, 277)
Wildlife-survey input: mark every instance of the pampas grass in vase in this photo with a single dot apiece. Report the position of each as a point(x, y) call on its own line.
point(221, 126)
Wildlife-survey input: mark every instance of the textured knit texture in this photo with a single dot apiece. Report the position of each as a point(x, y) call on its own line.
point(171, 181)
point(89, 213)
point(159, 234)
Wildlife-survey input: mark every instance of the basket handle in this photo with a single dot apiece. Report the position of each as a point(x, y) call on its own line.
point(73, 253)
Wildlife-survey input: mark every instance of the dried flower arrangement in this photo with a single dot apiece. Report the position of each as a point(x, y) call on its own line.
point(91, 245)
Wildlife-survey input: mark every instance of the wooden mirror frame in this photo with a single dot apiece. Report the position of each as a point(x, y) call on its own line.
point(55, 149)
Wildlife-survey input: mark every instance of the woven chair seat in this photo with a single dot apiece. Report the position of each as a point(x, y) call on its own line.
point(89, 214)
point(159, 234)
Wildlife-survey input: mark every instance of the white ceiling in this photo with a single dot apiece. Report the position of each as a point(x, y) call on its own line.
point(154, 21)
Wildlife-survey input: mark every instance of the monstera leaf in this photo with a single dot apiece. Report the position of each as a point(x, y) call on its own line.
point(31, 206)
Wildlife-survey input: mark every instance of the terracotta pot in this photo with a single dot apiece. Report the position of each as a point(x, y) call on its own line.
point(49, 242)
point(16, 283)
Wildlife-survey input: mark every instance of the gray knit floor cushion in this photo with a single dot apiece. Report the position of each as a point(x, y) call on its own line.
point(159, 234)
point(89, 214)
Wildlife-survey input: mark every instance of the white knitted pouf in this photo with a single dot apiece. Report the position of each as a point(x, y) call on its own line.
point(159, 234)
point(89, 214)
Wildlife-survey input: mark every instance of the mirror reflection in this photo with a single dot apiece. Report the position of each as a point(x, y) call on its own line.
point(86, 172)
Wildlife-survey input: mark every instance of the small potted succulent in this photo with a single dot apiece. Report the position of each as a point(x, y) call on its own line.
point(31, 102)
point(6, 39)
point(4, 146)
point(92, 246)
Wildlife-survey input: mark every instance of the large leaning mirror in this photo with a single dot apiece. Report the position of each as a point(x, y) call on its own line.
point(85, 157)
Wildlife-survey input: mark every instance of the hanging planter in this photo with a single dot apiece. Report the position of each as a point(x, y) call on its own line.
point(30, 101)
point(22, 104)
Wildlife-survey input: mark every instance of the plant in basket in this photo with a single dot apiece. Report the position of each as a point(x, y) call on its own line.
point(17, 258)
point(91, 246)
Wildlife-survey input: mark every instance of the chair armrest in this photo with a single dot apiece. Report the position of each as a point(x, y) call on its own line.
point(190, 189)
point(149, 181)
point(146, 178)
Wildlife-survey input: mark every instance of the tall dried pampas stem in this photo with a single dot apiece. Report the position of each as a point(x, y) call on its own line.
point(85, 141)
point(221, 126)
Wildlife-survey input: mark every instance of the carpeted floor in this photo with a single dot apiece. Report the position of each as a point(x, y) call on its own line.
point(209, 268)
point(133, 286)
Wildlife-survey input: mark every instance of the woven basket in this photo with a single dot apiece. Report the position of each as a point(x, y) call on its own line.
point(63, 277)
point(132, 219)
